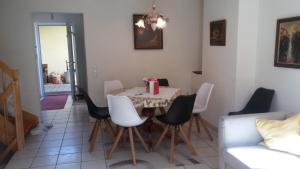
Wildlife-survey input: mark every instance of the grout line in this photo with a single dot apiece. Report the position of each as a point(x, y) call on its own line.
point(69, 113)
point(45, 134)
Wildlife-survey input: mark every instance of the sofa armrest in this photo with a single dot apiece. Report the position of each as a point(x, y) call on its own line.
point(240, 130)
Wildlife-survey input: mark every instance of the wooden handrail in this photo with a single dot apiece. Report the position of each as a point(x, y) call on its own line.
point(11, 72)
point(13, 89)
point(8, 90)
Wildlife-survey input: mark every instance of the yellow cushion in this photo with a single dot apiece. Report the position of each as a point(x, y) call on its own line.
point(282, 135)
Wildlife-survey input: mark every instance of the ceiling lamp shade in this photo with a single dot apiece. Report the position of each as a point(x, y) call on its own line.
point(153, 18)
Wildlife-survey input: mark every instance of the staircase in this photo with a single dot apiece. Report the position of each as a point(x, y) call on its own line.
point(14, 123)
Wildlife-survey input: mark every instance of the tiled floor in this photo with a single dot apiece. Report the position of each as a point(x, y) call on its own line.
point(65, 146)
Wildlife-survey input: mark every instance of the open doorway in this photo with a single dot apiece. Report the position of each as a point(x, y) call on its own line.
point(59, 47)
point(55, 59)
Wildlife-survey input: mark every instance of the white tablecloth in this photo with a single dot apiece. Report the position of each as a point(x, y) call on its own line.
point(140, 97)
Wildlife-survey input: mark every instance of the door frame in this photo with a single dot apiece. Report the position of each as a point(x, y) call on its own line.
point(39, 56)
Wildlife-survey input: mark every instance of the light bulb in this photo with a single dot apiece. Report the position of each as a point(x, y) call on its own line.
point(140, 23)
point(161, 23)
point(153, 26)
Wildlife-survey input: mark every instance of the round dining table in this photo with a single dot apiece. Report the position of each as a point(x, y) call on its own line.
point(141, 98)
point(149, 102)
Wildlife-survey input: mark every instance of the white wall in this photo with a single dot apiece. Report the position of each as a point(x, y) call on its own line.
point(108, 40)
point(232, 67)
point(219, 62)
point(54, 48)
point(285, 81)
point(246, 51)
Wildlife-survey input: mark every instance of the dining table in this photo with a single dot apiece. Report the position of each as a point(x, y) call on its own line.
point(149, 103)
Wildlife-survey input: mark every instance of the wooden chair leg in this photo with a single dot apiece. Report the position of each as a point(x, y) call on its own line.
point(132, 146)
point(95, 133)
point(197, 122)
point(190, 127)
point(176, 135)
point(141, 139)
point(205, 128)
point(125, 137)
point(161, 137)
point(114, 146)
point(110, 129)
point(187, 141)
point(171, 151)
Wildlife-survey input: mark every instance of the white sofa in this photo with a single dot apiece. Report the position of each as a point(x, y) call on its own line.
point(239, 145)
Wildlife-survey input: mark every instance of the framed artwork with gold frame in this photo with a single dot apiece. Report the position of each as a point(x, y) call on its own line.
point(287, 49)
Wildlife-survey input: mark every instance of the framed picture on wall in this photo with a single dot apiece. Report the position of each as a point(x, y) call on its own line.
point(218, 33)
point(146, 38)
point(287, 49)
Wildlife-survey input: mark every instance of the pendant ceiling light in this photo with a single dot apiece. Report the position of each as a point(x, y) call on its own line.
point(153, 18)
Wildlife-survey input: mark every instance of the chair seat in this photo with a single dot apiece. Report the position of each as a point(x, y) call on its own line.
point(101, 113)
point(260, 157)
point(199, 110)
point(137, 123)
point(170, 121)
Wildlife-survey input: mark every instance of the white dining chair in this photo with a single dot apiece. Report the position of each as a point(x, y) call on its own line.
point(123, 113)
point(112, 85)
point(200, 106)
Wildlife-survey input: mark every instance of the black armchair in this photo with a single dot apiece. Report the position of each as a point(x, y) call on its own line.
point(260, 102)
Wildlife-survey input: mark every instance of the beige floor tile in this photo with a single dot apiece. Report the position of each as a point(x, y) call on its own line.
point(48, 151)
point(69, 158)
point(70, 149)
point(93, 156)
point(99, 164)
point(44, 167)
point(69, 166)
point(19, 164)
point(44, 161)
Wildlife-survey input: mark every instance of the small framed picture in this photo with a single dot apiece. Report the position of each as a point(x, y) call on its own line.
point(287, 49)
point(218, 33)
point(146, 38)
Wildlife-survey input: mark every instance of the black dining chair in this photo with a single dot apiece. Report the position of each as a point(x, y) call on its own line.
point(179, 113)
point(260, 102)
point(163, 82)
point(101, 114)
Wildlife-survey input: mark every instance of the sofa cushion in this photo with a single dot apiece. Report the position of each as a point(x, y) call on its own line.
point(255, 157)
point(283, 135)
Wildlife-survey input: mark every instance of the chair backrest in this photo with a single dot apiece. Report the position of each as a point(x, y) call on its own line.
point(122, 111)
point(163, 82)
point(202, 98)
point(112, 85)
point(92, 108)
point(181, 109)
point(260, 101)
